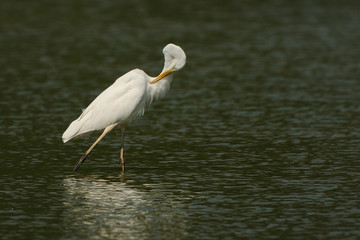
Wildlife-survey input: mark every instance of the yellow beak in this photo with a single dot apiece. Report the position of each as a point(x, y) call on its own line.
point(162, 75)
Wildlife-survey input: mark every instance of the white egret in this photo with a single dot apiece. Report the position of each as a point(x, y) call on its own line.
point(124, 100)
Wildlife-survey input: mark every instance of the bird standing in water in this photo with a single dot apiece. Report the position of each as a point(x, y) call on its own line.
point(126, 99)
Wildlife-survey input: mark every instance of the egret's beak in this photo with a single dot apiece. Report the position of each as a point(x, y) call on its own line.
point(162, 75)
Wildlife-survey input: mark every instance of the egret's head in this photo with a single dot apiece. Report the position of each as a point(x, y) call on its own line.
point(175, 60)
point(174, 57)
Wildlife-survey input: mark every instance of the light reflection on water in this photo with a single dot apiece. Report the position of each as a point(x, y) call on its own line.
point(96, 208)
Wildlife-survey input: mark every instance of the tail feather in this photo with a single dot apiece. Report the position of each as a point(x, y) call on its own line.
point(78, 127)
point(72, 131)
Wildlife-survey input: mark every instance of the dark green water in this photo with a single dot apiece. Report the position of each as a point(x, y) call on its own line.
point(258, 138)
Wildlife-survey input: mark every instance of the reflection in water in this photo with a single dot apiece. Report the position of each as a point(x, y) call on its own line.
point(97, 208)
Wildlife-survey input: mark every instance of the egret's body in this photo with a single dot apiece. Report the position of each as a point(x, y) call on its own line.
point(124, 100)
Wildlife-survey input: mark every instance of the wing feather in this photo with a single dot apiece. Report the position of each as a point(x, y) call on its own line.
point(119, 103)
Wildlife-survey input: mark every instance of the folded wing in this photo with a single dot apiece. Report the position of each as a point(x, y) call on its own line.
point(120, 103)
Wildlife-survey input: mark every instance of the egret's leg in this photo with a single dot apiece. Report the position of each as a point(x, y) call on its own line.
point(83, 158)
point(122, 149)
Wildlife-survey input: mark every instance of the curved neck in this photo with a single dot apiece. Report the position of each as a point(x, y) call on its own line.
point(159, 89)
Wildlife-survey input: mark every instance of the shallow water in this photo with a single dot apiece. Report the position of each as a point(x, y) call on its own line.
point(257, 139)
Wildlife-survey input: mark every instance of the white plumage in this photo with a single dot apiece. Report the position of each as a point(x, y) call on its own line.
point(125, 99)
point(119, 103)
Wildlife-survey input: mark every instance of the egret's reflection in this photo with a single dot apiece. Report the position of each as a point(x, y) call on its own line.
point(98, 208)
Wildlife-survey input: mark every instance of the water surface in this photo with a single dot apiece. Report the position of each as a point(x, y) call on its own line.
point(257, 139)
